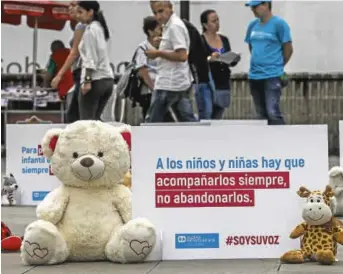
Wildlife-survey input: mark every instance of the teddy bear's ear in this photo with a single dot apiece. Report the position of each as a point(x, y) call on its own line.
point(49, 141)
point(125, 131)
point(127, 137)
point(303, 192)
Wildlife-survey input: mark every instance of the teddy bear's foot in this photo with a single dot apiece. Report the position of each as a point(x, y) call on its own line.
point(325, 257)
point(132, 243)
point(293, 257)
point(43, 244)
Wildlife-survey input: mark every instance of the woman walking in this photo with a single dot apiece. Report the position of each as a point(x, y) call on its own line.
point(216, 44)
point(73, 62)
point(97, 77)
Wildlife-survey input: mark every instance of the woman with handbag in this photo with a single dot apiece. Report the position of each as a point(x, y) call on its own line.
point(97, 77)
point(220, 73)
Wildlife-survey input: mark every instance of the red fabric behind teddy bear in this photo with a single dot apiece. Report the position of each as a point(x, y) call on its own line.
point(9, 242)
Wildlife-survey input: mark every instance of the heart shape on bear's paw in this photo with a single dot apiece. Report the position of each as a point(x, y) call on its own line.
point(140, 248)
point(146, 250)
point(29, 248)
point(41, 252)
point(33, 249)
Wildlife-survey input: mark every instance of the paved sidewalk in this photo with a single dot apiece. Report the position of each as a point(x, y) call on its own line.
point(18, 218)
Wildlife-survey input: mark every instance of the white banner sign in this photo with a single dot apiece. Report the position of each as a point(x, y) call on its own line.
point(175, 124)
point(226, 191)
point(341, 142)
point(235, 122)
point(25, 160)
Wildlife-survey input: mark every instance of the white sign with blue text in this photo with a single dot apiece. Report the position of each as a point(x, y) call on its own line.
point(235, 122)
point(25, 160)
point(226, 191)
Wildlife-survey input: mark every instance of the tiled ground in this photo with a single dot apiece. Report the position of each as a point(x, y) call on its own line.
point(19, 217)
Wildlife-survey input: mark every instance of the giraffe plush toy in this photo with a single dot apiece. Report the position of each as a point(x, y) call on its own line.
point(320, 232)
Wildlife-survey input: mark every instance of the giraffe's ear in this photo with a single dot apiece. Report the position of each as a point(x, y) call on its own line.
point(303, 192)
point(328, 192)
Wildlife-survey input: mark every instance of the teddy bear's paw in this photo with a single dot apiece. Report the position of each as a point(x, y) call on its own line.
point(5, 201)
point(134, 251)
point(293, 257)
point(325, 257)
point(34, 254)
point(141, 236)
point(140, 229)
point(39, 243)
point(133, 243)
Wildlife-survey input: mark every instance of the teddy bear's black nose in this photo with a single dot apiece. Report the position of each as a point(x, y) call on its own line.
point(87, 162)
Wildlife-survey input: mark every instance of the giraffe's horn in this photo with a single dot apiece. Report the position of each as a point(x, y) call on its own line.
point(328, 192)
point(303, 192)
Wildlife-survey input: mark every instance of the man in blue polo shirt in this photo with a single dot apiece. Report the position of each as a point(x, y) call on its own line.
point(270, 44)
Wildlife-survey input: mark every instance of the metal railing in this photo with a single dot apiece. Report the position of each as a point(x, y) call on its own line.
point(308, 99)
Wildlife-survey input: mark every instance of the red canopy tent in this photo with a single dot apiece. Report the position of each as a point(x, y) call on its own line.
point(40, 15)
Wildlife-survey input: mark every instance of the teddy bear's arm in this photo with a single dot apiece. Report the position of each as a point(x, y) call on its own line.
point(298, 231)
point(338, 191)
point(122, 201)
point(52, 208)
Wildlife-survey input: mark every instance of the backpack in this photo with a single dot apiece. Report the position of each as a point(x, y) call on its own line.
point(197, 57)
point(129, 84)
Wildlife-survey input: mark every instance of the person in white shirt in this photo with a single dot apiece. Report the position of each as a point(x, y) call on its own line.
point(174, 79)
point(97, 77)
point(147, 67)
point(73, 61)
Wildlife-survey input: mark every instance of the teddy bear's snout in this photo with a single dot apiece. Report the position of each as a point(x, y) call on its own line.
point(88, 167)
point(87, 162)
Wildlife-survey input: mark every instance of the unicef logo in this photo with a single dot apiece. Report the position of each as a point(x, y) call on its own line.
point(181, 239)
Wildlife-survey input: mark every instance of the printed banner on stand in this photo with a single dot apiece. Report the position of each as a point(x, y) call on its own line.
point(25, 160)
point(235, 122)
point(341, 143)
point(173, 124)
point(228, 191)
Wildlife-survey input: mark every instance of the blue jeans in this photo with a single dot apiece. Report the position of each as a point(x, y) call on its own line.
point(266, 95)
point(179, 101)
point(204, 98)
point(211, 105)
point(72, 113)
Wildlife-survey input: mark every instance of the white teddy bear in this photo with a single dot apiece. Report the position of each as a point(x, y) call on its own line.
point(88, 217)
point(336, 182)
